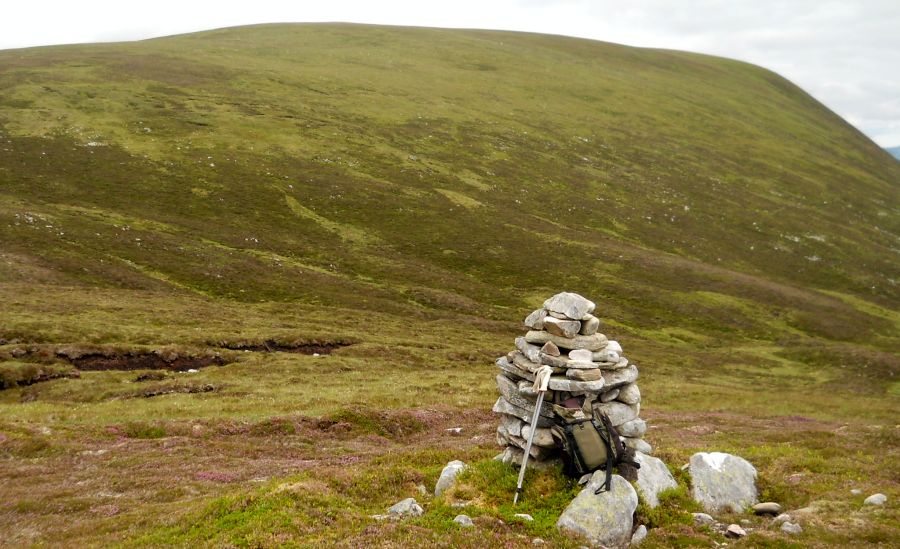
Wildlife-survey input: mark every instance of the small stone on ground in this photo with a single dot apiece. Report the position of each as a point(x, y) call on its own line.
point(448, 476)
point(767, 508)
point(408, 507)
point(791, 528)
point(464, 521)
point(780, 519)
point(875, 499)
point(735, 531)
point(639, 535)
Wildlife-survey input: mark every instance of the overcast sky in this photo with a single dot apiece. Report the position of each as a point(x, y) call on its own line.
point(845, 53)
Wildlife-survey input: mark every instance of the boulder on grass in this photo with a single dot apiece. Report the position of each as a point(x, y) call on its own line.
point(602, 519)
point(653, 478)
point(722, 482)
point(448, 476)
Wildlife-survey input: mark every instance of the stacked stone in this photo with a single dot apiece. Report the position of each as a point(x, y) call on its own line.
point(589, 371)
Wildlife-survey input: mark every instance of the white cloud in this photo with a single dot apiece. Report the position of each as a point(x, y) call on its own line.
point(845, 53)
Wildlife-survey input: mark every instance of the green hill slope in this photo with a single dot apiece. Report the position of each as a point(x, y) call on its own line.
point(407, 168)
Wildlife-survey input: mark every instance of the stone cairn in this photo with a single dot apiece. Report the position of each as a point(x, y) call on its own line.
point(589, 371)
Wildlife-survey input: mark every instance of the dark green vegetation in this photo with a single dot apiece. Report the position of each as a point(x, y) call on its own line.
point(413, 193)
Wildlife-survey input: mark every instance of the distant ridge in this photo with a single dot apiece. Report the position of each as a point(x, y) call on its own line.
point(895, 152)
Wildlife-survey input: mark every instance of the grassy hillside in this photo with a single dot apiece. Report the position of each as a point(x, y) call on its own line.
point(414, 193)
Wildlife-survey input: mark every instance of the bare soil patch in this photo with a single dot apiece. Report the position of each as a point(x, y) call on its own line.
point(145, 361)
point(273, 346)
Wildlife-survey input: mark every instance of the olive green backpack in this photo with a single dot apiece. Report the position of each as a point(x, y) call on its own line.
point(589, 443)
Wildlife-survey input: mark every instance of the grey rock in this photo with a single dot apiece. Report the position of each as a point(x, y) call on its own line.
point(701, 519)
point(579, 365)
point(421, 489)
point(535, 452)
point(570, 304)
point(550, 349)
point(464, 521)
point(617, 365)
point(875, 499)
point(639, 535)
point(630, 394)
point(504, 364)
point(545, 418)
point(531, 352)
point(448, 476)
point(618, 378)
point(534, 354)
point(638, 445)
point(735, 531)
point(605, 355)
point(542, 436)
point(584, 375)
point(510, 390)
point(767, 508)
point(653, 478)
point(722, 482)
point(618, 412)
point(604, 518)
point(520, 360)
point(535, 320)
point(524, 516)
point(791, 528)
point(592, 343)
point(558, 383)
point(511, 425)
point(581, 355)
point(780, 519)
point(634, 428)
point(856, 491)
point(538, 541)
point(614, 346)
point(408, 507)
point(562, 328)
point(526, 389)
point(385, 517)
point(609, 396)
point(589, 325)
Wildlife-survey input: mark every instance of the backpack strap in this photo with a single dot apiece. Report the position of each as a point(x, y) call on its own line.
point(606, 483)
point(606, 435)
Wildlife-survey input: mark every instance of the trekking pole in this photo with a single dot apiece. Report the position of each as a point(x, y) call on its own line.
point(541, 381)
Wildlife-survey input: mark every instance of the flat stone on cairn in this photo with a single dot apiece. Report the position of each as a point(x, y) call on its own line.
point(564, 334)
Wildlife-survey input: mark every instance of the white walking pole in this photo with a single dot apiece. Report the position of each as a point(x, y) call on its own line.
point(541, 381)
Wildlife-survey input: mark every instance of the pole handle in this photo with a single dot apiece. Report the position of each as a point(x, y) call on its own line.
point(542, 378)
